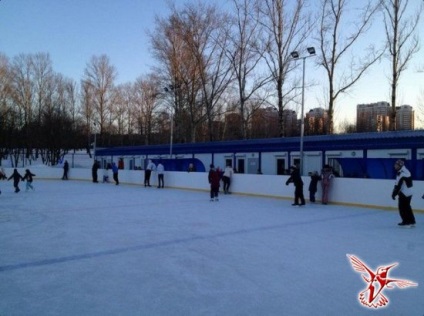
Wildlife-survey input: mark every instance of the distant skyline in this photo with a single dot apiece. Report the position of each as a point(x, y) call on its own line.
point(71, 32)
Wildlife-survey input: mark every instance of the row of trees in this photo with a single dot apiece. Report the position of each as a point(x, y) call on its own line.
point(209, 62)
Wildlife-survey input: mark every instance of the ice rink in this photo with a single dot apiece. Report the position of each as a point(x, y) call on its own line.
point(79, 248)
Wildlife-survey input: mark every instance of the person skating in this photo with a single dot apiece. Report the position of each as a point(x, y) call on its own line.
point(106, 174)
point(115, 173)
point(16, 178)
point(403, 190)
point(213, 178)
point(296, 179)
point(65, 170)
point(148, 172)
point(313, 185)
point(28, 178)
point(94, 170)
point(228, 173)
point(326, 177)
point(160, 169)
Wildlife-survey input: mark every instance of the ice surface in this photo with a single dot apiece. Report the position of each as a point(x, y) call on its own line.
point(79, 248)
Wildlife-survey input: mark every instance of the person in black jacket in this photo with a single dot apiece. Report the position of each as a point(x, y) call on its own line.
point(94, 169)
point(28, 178)
point(16, 178)
point(403, 190)
point(65, 170)
point(313, 185)
point(296, 179)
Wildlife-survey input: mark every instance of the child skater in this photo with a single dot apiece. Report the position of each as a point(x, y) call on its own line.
point(315, 177)
point(213, 178)
point(16, 178)
point(28, 177)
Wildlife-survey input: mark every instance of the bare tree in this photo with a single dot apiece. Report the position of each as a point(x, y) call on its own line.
point(402, 41)
point(336, 42)
point(124, 105)
point(55, 129)
point(206, 38)
point(286, 25)
point(178, 74)
point(98, 82)
point(5, 112)
point(87, 109)
point(146, 101)
point(22, 87)
point(246, 54)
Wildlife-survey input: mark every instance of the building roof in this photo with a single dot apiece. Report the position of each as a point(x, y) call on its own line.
point(357, 141)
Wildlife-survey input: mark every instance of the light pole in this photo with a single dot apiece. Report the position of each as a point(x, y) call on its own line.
point(295, 55)
point(171, 137)
point(95, 142)
point(172, 134)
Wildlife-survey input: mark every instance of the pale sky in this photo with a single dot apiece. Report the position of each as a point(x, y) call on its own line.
point(72, 31)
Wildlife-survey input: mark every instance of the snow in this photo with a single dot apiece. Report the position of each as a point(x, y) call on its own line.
point(79, 248)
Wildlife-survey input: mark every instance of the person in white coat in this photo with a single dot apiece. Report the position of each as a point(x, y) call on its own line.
point(160, 169)
point(148, 172)
point(226, 178)
point(403, 189)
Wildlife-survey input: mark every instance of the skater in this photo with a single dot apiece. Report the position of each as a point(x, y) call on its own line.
point(228, 173)
point(65, 170)
point(403, 189)
point(296, 179)
point(28, 178)
point(94, 169)
point(326, 176)
point(16, 178)
point(313, 185)
point(148, 172)
point(106, 174)
point(115, 173)
point(160, 170)
point(213, 178)
point(191, 168)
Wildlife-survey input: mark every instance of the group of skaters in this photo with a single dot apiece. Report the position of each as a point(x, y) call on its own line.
point(160, 170)
point(325, 178)
point(17, 177)
point(402, 189)
point(110, 166)
point(214, 177)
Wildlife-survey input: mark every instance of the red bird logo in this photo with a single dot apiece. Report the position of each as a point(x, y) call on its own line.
point(377, 282)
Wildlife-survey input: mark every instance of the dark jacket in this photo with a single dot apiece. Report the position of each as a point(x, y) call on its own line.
point(28, 176)
point(295, 178)
point(95, 167)
point(15, 176)
point(214, 178)
point(314, 182)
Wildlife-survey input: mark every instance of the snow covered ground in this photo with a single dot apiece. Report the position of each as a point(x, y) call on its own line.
point(79, 248)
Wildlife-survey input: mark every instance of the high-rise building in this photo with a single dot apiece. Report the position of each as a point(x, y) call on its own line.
point(405, 119)
point(290, 123)
point(375, 117)
point(316, 122)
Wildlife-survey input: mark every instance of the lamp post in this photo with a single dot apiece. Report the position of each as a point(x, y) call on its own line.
point(95, 142)
point(171, 137)
point(172, 134)
point(295, 55)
